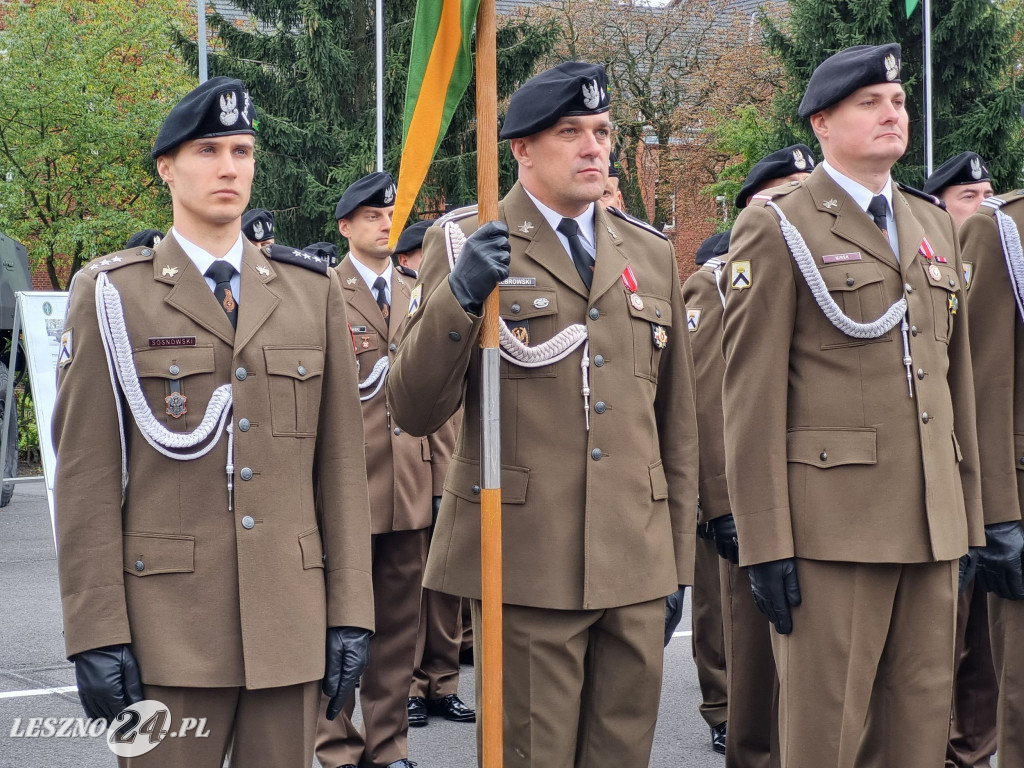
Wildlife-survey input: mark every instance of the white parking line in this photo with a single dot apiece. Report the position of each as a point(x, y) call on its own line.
point(36, 692)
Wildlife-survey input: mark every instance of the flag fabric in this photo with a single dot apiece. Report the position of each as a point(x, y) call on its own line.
point(911, 5)
point(440, 68)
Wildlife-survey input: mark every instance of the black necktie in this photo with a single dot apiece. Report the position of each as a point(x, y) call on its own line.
point(221, 272)
point(380, 285)
point(878, 209)
point(583, 260)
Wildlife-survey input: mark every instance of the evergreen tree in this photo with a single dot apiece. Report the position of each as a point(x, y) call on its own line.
point(976, 85)
point(311, 70)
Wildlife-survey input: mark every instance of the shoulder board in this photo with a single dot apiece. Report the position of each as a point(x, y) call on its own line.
point(635, 221)
point(404, 270)
point(285, 255)
point(459, 213)
point(119, 259)
point(923, 195)
point(773, 193)
point(995, 203)
point(712, 264)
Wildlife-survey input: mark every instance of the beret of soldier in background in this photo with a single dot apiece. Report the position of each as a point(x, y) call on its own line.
point(716, 245)
point(572, 88)
point(147, 238)
point(219, 107)
point(965, 168)
point(797, 158)
point(375, 189)
point(412, 237)
point(843, 73)
point(326, 251)
point(258, 225)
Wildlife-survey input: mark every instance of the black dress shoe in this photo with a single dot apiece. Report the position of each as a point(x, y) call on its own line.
point(451, 708)
point(417, 712)
point(718, 738)
point(403, 763)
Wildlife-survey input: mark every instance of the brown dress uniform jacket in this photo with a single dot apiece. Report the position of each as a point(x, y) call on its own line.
point(704, 322)
point(592, 519)
point(208, 597)
point(827, 456)
point(404, 471)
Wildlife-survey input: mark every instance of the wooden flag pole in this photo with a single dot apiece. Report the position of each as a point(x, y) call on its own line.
point(490, 434)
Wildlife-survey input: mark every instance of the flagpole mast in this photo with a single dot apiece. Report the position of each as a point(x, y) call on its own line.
point(380, 85)
point(928, 130)
point(490, 433)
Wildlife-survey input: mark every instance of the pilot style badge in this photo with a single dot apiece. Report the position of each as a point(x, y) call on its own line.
point(176, 407)
point(660, 336)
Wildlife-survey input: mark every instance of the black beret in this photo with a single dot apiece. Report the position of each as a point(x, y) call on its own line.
point(258, 224)
point(785, 162)
point(376, 190)
point(147, 238)
point(572, 88)
point(965, 168)
point(326, 251)
point(843, 73)
point(218, 107)
point(614, 166)
point(412, 237)
point(715, 245)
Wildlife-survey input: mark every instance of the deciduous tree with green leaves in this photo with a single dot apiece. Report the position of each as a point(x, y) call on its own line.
point(85, 86)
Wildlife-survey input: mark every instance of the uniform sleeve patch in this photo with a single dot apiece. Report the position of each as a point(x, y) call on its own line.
point(741, 275)
point(414, 299)
point(692, 319)
point(67, 348)
point(968, 274)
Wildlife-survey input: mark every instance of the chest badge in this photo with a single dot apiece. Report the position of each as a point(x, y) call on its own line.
point(659, 335)
point(176, 407)
point(637, 302)
point(953, 304)
point(364, 342)
point(934, 273)
point(540, 303)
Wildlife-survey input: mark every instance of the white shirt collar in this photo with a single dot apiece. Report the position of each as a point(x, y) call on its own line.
point(585, 221)
point(861, 195)
point(370, 276)
point(203, 258)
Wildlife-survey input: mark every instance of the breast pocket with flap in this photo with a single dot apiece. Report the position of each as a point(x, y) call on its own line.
point(295, 375)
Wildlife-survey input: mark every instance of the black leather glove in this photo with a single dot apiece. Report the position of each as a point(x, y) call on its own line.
point(435, 508)
point(968, 568)
point(482, 264)
point(673, 612)
point(775, 588)
point(108, 681)
point(999, 561)
point(348, 653)
point(723, 531)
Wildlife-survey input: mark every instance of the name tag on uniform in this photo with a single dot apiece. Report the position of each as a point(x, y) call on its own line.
point(518, 281)
point(358, 329)
point(172, 341)
point(838, 258)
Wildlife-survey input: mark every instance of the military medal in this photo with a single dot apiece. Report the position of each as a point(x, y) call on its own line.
point(364, 342)
point(637, 302)
point(934, 273)
point(176, 405)
point(954, 304)
point(926, 249)
point(940, 260)
point(660, 336)
point(629, 279)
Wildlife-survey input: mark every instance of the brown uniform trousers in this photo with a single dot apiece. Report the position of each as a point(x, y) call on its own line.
point(707, 641)
point(598, 525)
point(998, 356)
point(752, 686)
point(403, 472)
point(223, 609)
point(829, 460)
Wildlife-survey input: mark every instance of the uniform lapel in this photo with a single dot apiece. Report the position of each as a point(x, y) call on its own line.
point(529, 231)
point(851, 222)
point(611, 261)
point(908, 229)
point(358, 296)
point(257, 301)
point(189, 292)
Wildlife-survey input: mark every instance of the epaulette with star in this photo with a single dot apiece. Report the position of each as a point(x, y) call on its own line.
point(118, 259)
point(458, 214)
point(635, 221)
point(285, 255)
point(404, 270)
point(923, 195)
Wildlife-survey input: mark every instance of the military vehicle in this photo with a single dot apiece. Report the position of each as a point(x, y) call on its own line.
point(14, 276)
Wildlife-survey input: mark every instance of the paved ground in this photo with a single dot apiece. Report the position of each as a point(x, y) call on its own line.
point(32, 658)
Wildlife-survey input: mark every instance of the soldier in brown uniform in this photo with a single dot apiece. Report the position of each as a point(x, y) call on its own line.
point(404, 474)
point(752, 684)
point(993, 260)
point(851, 450)
point(211, 499)
point(598, 431)
point(962, 183)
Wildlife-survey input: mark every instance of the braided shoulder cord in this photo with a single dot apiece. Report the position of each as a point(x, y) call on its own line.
point(802, 256)
point(1014, 253)
point(377, 376)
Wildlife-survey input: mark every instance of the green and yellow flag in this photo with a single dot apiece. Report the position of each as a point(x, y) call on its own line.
point(440, 68)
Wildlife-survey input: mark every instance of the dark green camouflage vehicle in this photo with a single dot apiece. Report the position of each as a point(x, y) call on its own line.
point(14, 276)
